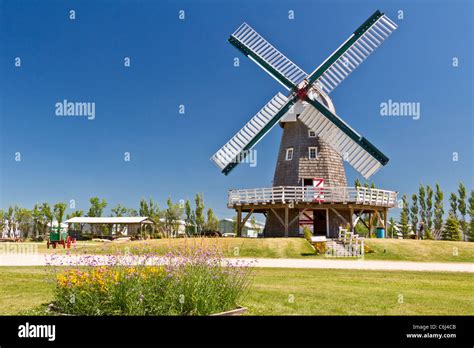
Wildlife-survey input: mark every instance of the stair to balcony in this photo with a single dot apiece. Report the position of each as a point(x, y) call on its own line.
point(336, 248)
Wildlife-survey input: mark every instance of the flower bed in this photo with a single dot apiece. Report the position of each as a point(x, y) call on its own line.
point(196, 283)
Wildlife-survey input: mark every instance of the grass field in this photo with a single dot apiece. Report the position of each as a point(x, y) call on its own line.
point(299, 292)
point(420, 250)
point(384, 249)
point(231, 247)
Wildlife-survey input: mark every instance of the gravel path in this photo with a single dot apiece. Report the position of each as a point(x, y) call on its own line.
point(42, 260)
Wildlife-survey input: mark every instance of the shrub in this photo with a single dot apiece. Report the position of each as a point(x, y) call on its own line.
point(307, 233)
point(320, 247)
point(199, 282)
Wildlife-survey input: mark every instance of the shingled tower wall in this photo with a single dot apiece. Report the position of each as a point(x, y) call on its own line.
point(328, 165)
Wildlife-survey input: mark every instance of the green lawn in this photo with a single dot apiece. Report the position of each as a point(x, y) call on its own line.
point(298, 291)
point(384, 249)
point(350, 292)
point(420, 250)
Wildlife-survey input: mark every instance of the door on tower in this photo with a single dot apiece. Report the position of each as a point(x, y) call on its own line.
point(320, 222)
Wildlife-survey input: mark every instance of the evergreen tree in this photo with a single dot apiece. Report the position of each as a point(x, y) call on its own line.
point(190, 218)
point(391, 228)
point(357, 183)
point(199, 212)
point(438, 212)
point(150, 209)
point(212, 223)
point(462, 211)
point(173, 213)
point(471, 216)
point(451, 229)
point(404, 217)
point(422, 200)
point(414, 213)
point(453, 202)
point(429, 213)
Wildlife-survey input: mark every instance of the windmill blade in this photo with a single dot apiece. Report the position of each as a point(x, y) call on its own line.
point(238, 147)
point(352, 52)
point(355, 149)
point(250, 43)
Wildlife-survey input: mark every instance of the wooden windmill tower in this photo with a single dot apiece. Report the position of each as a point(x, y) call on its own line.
point(309, 185)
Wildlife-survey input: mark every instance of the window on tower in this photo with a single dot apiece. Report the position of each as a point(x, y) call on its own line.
point(289, 154)
point(311, 134)
point(312, 152)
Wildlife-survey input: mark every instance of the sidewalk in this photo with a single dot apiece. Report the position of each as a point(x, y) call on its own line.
point(42, 260)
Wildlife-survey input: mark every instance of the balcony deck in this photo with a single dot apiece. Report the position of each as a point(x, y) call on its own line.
point(361, 196)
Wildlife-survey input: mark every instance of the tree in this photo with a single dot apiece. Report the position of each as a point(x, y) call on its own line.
point(404, 217)
point(422, 200)
point(59, 209)
point(471, 216)
point(190, 219)
point(199, 212)
point(453, 202)
point(429, 213)
point(47, 215)
point(2, 221)
point(23, 218)
point(151, 209)
point(391, 227)
point(119, 210)
point(438, 212)
point(451, 229)
point(11, 220)
point(38, 221)
point(414, 213)
point(95, 210)
point(173, 213)
point(357, 183)
point(97, 207)
point(132, 212)
point(212, 222)
point(462, 211)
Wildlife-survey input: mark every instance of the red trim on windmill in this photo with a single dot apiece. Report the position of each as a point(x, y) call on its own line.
point(318, 184)
point(302, 93)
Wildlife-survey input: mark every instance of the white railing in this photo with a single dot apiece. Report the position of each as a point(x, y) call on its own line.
point(299, 194)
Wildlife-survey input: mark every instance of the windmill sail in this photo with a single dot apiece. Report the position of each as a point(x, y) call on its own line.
point(237, 148)
point(354, 148)
point(250, 43)
point(352, 52)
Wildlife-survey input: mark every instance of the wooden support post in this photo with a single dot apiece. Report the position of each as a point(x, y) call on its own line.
point(249, 214)
point(386, 221)
point(370, 225)
point(286, 221)
point(239, 222)
point(351, 223)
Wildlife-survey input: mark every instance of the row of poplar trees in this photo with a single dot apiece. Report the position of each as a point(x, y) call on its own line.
point(427, 208)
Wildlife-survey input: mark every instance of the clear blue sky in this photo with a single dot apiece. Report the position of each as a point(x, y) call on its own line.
point(190, 62)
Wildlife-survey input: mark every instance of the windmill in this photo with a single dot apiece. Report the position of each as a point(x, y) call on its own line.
point(315, 139)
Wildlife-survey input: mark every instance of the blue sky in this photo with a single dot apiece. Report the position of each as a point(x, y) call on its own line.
point(190, 62)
